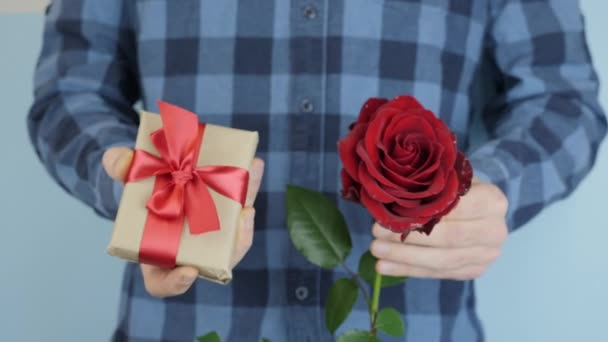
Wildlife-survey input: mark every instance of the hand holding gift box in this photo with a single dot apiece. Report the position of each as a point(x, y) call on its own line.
point(185, 190)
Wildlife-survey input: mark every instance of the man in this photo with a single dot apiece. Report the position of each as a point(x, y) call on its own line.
point(297, 71)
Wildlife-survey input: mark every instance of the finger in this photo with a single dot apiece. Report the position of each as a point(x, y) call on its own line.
point(439, 259)
point(245, 235)
point(382, 233)
point(482, 200)
point(389, 268)
point(404, 270)
point(255, 179)
point(451, 234)
point(461, 234)
point(162, 282)
point(116, 162)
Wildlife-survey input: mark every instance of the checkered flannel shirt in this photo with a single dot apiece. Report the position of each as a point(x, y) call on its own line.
point(298, 71)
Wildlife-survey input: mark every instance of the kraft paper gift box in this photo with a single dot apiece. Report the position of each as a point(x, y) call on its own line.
point(209, 252)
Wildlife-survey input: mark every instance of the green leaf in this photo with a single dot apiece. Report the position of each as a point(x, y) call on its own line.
point(390, 321)
point(340, 301)
point(317, 228)
point(357, 336)
point(210, 337)
point(367, 271)
point(265, 340)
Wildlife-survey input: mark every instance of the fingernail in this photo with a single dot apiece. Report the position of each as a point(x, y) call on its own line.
point(380, 249)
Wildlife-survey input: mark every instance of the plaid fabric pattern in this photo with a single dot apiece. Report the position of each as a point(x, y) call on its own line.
point(298, 71)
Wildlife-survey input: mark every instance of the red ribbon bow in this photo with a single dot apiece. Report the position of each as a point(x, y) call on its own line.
point(181, 189)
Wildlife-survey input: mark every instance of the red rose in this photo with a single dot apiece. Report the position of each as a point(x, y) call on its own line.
point(403, 165)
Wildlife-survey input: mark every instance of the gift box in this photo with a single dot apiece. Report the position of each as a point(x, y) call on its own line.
point(184, 192)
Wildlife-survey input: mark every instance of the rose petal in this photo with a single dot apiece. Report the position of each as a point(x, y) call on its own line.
point(465, 173)
point(430, 165)
point(350, 188)
point(442, 133)
point(412, 150)
point(383, 193)
point(372, 187)
point(435, 186)
point(373, 136)
point(368, 110)
point(403, 181)
point(410, 123)
point(396, 190)
point(347, 150)
point(404, 148)
point(388, 147)
point(407, 203)
point(387, 139)
point(407, 126)
point(450, 207)
point(423, 147)
point(404, 170)
point(388, 219)
point(447, 139)
point(382, 130)
point(434, 206)
point(399, 166)
point(404, 102)
point(428, 227)
point(376, 171)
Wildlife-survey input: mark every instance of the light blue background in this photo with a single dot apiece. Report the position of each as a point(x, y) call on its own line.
point(57, 284)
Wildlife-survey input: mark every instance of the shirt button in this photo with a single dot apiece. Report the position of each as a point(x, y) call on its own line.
point(310, 12)
point(306, 106)
point(302, 292)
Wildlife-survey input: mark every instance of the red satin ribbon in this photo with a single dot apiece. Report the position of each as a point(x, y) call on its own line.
point(181, 189)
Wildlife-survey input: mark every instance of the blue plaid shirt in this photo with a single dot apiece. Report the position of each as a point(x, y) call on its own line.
point(298, 71)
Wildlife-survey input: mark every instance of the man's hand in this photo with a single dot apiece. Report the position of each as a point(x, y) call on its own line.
point(162, 282)
point(462, 246)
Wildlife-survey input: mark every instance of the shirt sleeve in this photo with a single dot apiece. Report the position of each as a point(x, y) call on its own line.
point(84, 90)
point(545, 124)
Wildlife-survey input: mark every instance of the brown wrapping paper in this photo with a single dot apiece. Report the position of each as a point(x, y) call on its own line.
point(211, 252)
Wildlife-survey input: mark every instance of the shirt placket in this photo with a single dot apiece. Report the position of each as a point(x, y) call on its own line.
point(306, 95)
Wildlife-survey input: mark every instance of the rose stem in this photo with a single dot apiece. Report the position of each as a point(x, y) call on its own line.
point(375, 301)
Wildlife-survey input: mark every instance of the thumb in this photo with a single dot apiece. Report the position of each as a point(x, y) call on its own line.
point(116, 162)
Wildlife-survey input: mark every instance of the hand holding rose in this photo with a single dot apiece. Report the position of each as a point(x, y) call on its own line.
point(462, 246)
point(402, 163)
